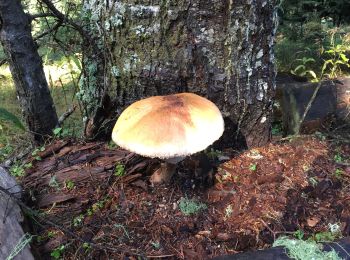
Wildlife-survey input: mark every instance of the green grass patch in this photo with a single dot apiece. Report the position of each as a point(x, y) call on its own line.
point(62, 79)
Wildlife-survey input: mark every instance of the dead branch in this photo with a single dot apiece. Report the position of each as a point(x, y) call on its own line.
point(49, 31)
point(40, 15)
point(66, 114)
point(2, 62)
point(63, 18)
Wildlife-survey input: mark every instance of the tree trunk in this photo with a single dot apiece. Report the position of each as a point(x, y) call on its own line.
point(27, 69)
point(218, 49)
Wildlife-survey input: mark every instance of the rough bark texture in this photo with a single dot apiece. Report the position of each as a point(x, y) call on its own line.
point(10, 229)
point(219, 49)
point(27, 70)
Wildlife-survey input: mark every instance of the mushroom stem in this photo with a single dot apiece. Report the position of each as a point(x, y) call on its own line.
point(164, 173)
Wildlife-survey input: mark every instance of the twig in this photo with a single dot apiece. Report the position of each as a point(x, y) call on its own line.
point(40, 15)
point(3, 61)
point(49, 31)
point(66, 114)
point(159, 256)
point(267, 226)
point(63, 18)
point(311, 101)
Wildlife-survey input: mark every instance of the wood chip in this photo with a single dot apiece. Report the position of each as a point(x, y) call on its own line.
point(50, 199)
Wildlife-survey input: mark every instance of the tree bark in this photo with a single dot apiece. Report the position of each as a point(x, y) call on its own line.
point(222, 50)
point(27, 70)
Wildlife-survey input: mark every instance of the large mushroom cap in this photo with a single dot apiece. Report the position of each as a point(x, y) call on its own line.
point(169, 126)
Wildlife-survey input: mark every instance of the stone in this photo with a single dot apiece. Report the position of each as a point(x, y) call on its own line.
point(10, 213)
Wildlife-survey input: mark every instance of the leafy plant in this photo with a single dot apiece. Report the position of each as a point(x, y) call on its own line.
point(119, 170)
point(253, 167)
point(5, 115)
point(18, 169)
point(303, 68)
point(78, 220)
point(338, 173)
point(299, 234)
point(189, 207)
point(338, 158)
point(58, 252)
point(36, 151)
point(69, 184)
point(337, 58)
point(60, 132)
point(156, 245)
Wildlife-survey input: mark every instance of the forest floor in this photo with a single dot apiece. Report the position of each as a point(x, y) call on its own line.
point(94, 201)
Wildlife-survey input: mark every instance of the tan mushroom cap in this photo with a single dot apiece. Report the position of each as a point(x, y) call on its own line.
point(169, 126)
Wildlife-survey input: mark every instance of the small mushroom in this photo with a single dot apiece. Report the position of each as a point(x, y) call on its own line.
point(168, 127)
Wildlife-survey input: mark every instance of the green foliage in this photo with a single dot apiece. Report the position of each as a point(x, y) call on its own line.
point(305, 250)
point(213, 154)
point(302, 69)
point(69, 184)
point(57, 253)
point(36, 151)
point(309, 30)
point(60, 132)
point(189, 207)
point(5, 151)
point(119, 170)
point(336, 57)
point(324, 237)
point(18, 168)
point(78, 220)
point(253, 167)
point(5, 115)
point(299, 234)
point(338, 173)
point(276, 128)
point(338, 158)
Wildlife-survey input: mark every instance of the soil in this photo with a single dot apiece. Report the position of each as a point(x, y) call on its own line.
point(79, 194)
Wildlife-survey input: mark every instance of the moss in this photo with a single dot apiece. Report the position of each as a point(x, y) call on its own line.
point(305, 250)
point(88, 86)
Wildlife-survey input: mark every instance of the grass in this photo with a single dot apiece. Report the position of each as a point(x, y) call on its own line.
point(189, 207)
point(63, 86)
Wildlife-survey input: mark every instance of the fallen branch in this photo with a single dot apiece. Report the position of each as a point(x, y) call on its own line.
point(65, 115)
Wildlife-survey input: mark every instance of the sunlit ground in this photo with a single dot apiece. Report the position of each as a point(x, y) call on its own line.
point(63, 83)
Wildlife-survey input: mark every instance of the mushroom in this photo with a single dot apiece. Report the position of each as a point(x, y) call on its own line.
point(170, 128)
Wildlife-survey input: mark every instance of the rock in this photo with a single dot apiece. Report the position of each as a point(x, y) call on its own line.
point(10, 229)
point(293, 98)
point(341, 247)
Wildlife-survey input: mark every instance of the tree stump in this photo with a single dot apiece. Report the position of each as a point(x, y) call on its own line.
point(11, 231)
point(343, 99)
point(294, 97)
